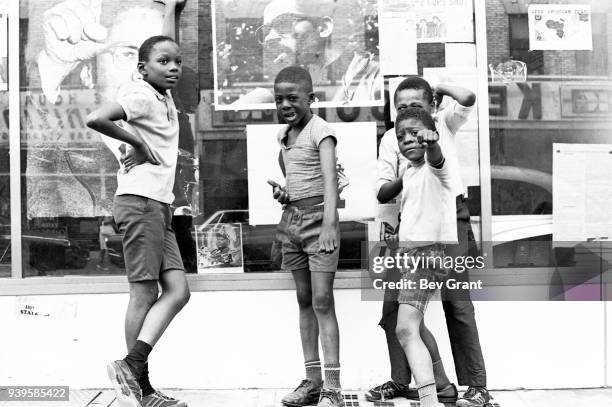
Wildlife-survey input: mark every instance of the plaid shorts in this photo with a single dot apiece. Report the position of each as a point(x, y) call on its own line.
point(433, 272)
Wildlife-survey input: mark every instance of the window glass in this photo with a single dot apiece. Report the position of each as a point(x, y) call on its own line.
point(5, 198)
point(554, 92)
point(69, 171)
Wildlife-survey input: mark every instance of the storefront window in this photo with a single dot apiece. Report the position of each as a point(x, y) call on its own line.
point(549, 86)
point(551, 81)
point(5, 197)
point(69, 171)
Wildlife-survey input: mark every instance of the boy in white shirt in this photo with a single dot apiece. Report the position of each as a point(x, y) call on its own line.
point(458, 308)
point(428, 221)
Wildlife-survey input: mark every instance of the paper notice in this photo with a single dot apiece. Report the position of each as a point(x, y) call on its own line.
point(444, 20)
point(356, 151)
point(396, 20)
point(560, 27)
point(582, 192)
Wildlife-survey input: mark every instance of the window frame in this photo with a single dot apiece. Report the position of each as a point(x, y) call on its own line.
point(346, 279)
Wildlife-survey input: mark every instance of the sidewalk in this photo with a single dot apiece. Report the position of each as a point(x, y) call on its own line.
point(271, 398)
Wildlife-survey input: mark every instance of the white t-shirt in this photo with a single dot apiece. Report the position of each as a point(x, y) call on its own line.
point(153, 117)
point(391, 163)
point(428, 206)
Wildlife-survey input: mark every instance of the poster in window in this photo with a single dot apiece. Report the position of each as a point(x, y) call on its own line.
point(335, 40)
point(70, 169)
point(444, 20)
point(582, 192)
point(560, 27)
point(397, 20)
point(219, 248)
point(356, 153)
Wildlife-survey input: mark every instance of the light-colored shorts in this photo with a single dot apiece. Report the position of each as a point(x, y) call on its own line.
point(298, 233)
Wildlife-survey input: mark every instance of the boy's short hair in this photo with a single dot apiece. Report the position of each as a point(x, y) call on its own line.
point(416, 113)
point(295, 74)
point(415, 82)
point(144, 52)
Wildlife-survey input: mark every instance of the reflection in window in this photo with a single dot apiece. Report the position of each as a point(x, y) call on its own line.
point(224, 186)
point(565, 99)
point(69, 171)
point(5, 199)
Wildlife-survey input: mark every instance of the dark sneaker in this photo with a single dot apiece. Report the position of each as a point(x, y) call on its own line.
point(475, 397)
point(330, 398)
point(159, 399)
point(306, 394)
point(126, 386)
point(387, 391)
point(447, 394)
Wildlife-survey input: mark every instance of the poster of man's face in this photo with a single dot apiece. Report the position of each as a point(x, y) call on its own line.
point(78, 53)
point(335, 40)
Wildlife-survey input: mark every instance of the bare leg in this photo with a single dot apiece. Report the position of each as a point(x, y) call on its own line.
point(408, 333)
point(324, 308)
point(175, 294)
point(143, 295)
point(309, 328)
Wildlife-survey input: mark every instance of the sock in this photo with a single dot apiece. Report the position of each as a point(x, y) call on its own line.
point(313, 371)
point(144, 383)
point(428, 396)
point(332, 376)
point(137, 357)
point(440, 375)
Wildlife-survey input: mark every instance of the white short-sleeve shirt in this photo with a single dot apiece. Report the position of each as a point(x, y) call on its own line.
point(153, 117)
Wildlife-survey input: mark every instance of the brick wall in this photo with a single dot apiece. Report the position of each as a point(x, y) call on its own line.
point(205, 46)
point(498, 31)
point(555, 62)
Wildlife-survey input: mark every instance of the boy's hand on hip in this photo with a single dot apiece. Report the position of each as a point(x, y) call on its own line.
point(137, 156)
point(328, 241)
point(278, 192)
point(427, 137)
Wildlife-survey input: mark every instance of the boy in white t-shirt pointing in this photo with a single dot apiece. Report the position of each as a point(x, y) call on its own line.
point(428, 222)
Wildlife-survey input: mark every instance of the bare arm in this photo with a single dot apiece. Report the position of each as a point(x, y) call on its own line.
point(278, 192)
point(170, 15)
point(327, 154)
point(389, 190)
point(389, 183)
point(463, 96)
point(102, 119)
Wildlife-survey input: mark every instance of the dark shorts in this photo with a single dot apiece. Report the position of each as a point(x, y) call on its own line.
point(298, 233)
point(149, 244)
point(419, 297)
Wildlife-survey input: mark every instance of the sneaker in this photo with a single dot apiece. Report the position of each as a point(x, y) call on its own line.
point(330, 398)
point(447, 394)
point(474, 397)
point(306, 394)
point(387, 391)
point(126, 386)
point(159, 399)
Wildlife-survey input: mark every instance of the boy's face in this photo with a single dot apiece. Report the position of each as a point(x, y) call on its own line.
point(293, 102)
point(164, 67)
point(413, 98)
point(406, 132)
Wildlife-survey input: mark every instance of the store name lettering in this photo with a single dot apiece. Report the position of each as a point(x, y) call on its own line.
point(531, 102)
